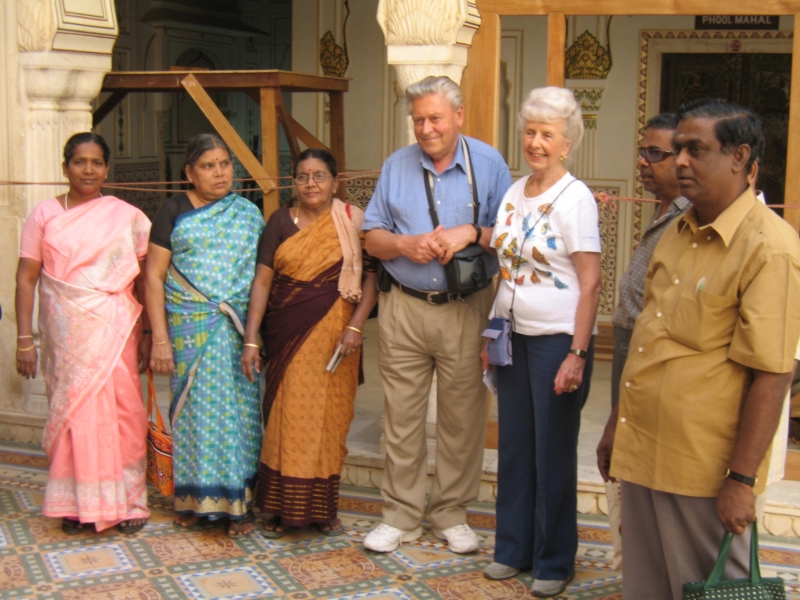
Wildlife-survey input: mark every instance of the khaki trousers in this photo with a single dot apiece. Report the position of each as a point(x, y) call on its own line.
point(669, 540)
point(416, 339)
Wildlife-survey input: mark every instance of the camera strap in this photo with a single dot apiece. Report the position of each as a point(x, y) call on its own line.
point(429, 184)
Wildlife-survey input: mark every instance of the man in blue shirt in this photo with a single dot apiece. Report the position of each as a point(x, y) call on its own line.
point(423, 328)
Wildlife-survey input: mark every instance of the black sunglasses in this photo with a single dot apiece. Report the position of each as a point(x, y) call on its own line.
point(655, 155)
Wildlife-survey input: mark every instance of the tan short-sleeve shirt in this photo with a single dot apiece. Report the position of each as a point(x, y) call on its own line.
point(720, 300)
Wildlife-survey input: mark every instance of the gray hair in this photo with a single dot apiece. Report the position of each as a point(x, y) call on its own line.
point(443, 86)
point(552, 104)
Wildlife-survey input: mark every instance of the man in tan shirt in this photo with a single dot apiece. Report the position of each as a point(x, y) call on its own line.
point(710, 361)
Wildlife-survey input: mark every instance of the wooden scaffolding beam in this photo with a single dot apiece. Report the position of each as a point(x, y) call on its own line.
point(482, 93)
point(264, 87)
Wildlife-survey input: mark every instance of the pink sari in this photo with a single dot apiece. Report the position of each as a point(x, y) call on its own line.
point(97, 427)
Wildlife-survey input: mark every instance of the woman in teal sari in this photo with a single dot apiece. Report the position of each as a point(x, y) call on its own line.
point(201, 263)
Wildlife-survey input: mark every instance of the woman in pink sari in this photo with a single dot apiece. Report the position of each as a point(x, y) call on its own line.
point(86, 252)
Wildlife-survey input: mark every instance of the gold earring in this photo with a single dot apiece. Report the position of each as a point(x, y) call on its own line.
point(564, 159)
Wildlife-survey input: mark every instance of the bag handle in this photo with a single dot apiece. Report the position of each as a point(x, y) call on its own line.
point(722, 558)
point(152, 402)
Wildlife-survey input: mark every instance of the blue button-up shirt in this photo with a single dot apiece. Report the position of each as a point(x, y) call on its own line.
point(400, 204)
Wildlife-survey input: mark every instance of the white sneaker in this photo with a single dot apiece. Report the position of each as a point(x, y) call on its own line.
point(385, 538)
point(460, 538)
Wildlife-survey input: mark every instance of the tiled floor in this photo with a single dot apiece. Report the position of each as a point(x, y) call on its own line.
point(38, 561)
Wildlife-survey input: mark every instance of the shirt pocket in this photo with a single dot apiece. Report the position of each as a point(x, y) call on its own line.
point(704, 321)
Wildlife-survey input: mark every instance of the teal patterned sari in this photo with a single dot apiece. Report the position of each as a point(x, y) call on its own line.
point(215, 411)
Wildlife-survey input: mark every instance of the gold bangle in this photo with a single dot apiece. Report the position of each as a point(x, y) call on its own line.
point(353, 328)
point(161, 343)
point(26, 349)
point(252, 345)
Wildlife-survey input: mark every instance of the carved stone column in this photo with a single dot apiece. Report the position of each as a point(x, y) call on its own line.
point(58, 55)
point(427, 37)
point(587, 66)
point(589, 94)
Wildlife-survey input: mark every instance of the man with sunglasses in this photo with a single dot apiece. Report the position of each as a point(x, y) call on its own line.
point(657, 173)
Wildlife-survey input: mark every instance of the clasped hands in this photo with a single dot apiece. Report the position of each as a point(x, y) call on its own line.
point(439, 244)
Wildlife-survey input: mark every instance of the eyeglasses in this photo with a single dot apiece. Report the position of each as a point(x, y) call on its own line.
point(655, 155)
point(317, 177)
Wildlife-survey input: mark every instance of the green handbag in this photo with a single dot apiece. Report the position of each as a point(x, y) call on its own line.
point(754, 588)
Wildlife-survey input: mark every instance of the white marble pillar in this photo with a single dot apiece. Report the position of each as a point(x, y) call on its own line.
point(427, 37)
point(53, 57)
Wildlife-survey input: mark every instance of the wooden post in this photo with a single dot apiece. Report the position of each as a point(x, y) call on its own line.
point(337, 128)
point(286, 123)
point(228, 133)
point(792, 189)
point(556, 40)
point(270, 146)
point(480, 84)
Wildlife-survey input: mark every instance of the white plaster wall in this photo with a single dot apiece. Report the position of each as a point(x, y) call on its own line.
point(12, 206)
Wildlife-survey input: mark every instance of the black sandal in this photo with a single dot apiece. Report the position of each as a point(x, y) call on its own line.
point(71, 526)
point(275, 534)
point(130, 528)
point(249, 517)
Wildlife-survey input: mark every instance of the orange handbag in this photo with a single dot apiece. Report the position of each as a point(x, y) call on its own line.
point(159, 445)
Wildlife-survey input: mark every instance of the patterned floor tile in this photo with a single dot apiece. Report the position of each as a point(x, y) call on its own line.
point(29, 500)
point(86, 562)
point(330, 569)
point(12, 573)
point(45, 530)
point(474, 586)
point(380, 594)
point(193, 547)
point(127, 590)
point(231, 584)
point(39, 561)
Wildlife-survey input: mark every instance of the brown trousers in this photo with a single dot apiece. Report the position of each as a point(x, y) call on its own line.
point(669, 540)
point(416, 339)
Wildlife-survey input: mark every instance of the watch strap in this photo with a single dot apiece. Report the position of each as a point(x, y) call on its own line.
point(478, 233)
point(578, 352)
point(751, 481)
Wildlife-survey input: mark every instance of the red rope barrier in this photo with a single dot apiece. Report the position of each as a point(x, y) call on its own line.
point(606, 201)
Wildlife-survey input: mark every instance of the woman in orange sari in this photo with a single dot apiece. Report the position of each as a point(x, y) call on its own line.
point(93, 347)
point(310, 270)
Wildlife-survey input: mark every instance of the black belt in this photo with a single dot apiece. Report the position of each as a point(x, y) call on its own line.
point(430, 297)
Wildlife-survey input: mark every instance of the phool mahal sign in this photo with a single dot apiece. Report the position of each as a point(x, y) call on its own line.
point(736, 22)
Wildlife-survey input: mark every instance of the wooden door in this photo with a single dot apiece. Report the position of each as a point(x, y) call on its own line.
point(758, 81)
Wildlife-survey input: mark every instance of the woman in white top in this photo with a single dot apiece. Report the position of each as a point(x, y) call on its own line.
point(548, 242)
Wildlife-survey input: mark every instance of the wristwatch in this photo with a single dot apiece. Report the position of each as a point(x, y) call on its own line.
point(478, 233)
point(751, 481)
point(577, 352)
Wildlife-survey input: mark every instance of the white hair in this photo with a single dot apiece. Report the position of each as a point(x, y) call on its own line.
point(443, 86)
point(550, 105)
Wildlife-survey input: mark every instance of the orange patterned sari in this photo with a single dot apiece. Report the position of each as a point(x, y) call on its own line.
point(305, 439)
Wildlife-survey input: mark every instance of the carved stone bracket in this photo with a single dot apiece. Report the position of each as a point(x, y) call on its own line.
point(589, 94)
point(58, 90)
point(427, 37)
